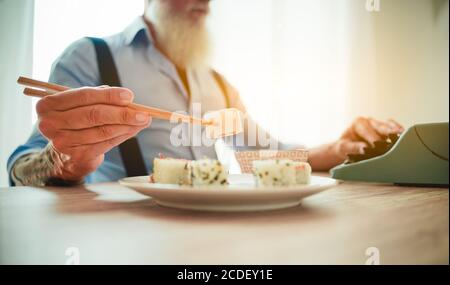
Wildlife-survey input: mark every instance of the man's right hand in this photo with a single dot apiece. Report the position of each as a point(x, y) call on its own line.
point(85, 123)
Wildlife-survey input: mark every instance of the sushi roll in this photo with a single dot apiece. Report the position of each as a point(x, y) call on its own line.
point(208, 172)
point(193, 173)
point(274, 172)
point(302, 172)
point(281, 172)
point(171, 171)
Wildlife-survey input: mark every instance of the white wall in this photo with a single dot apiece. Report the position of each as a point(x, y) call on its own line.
point(288, 59)
point(400, 61)
point(16, 50)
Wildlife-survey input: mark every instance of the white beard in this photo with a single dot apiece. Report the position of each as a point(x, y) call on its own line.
point(186, 43)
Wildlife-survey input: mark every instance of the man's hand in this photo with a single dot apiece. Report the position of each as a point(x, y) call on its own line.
point(363, 132)
point(86, 123)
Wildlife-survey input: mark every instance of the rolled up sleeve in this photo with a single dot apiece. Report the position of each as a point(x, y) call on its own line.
point(76, 67)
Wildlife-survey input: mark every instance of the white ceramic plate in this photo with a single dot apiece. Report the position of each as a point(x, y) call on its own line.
point(240, 195)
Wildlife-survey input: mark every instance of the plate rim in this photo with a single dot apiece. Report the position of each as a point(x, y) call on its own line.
point(232, 189)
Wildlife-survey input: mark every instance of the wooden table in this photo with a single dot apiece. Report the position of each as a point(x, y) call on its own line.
point(110, 224)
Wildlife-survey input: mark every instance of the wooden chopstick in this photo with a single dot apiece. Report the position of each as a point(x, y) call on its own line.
point(50, 87)
point(41, 89)
point(35, 92)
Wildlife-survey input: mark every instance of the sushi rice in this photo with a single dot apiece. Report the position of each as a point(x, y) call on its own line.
point(281, 172)
point(192, 173)
point(171, 171)
point(208, 172)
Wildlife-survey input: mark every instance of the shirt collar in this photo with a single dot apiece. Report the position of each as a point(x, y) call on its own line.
point(137, 30)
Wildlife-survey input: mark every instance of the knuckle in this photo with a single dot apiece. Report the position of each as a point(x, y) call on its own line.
point(105, 131)
point(94, 115)
point(125, 116)
point(108, 94)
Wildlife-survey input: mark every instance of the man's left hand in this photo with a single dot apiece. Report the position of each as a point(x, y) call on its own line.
point(362, 132)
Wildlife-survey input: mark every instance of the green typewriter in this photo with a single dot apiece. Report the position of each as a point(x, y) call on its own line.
point(418, 157)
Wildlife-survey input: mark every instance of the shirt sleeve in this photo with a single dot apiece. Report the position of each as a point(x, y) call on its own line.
point(76, 67)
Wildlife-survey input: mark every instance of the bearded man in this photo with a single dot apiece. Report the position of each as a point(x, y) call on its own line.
point(90, 134)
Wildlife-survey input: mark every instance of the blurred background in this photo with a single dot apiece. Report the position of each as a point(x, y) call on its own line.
point(305, 68)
